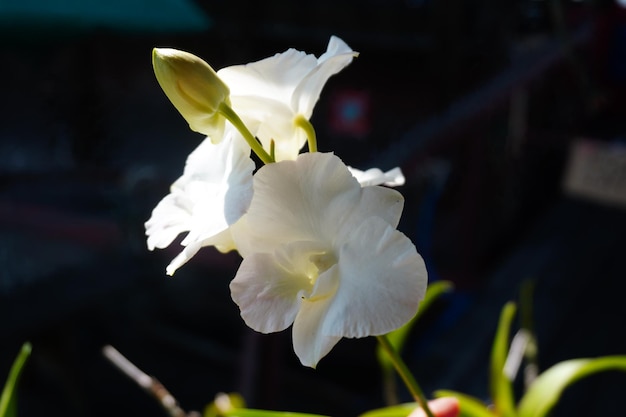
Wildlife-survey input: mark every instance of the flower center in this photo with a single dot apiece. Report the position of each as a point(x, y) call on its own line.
point(320, 262)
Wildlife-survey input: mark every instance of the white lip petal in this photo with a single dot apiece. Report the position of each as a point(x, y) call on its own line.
point(310, 342)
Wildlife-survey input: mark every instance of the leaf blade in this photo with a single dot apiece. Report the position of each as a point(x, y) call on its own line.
point(547, 389)
point(501, 388)
point(8, 398)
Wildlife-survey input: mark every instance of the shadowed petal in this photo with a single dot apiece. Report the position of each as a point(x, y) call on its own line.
point(267, 294)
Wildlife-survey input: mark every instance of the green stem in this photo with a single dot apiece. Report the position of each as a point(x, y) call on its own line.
point(305, 125)
point(232, 117)
point(405, 374)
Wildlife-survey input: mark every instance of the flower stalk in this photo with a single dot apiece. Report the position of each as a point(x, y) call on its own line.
point(304, 124)
point(405, 374)
point(257, 148)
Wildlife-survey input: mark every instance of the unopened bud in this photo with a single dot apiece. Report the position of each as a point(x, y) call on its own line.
point(193, 87)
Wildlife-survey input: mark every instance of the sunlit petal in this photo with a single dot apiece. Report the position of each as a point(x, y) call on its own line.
point(212, 194)
point(337, 56)
point(383, 279)
point(303, 200)
point(269, 94)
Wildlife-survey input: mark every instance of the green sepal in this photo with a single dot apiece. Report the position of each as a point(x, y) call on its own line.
point(546, 390)
point(8, 399)
point(500, 386)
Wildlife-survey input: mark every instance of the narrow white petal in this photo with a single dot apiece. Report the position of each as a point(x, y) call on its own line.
point(169, 219)
point(186, 254)
point(338, 55)
point(375, 176)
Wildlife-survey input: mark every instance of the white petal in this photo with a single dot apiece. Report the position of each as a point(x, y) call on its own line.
point(383, 279)
point(267, 294)
point(186, 254)
point(270, 93)
point(375, 201)
point(212, 194)
point(374, 176)
point(275, 77)
point(169, 219)
point(337, 56)
point(302, 200)
point(310, 342)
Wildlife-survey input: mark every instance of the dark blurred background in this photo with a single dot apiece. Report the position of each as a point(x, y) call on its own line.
point(481, 102)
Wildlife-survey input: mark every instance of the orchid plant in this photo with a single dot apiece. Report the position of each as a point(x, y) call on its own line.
point(319, 240)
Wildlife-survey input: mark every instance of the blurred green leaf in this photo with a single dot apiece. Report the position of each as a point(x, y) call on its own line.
point(8, 399)
point(400, 410)
point(251, 412)
point(398, 337)
point(469, 406)
point(501, 388)
point(546, 391)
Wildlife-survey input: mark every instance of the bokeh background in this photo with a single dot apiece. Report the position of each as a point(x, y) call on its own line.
point(483, 104)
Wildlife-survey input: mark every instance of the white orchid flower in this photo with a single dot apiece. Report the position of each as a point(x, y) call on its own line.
point(211, 195)
point(275, 96)
point(323, 253)
point(272, 99)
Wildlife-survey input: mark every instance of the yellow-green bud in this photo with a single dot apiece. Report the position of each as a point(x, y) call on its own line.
point(193, 87)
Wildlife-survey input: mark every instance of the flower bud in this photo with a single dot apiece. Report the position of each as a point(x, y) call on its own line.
point(193, 87)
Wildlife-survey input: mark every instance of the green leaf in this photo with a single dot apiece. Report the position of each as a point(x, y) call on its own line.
point(468, 406)
point(501, 388)
point(8, 399)
point(546, 390)
point(251, 412)
point(400, 410)
point(398, 337)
